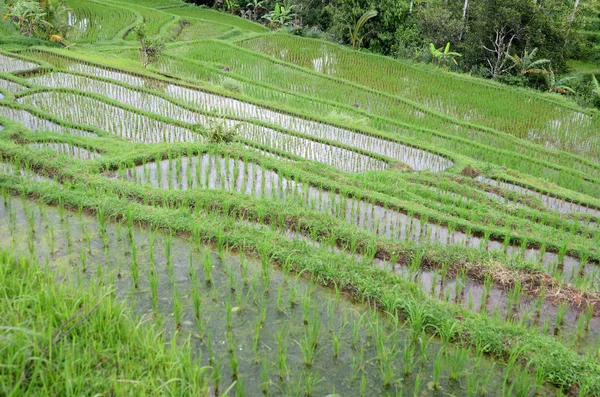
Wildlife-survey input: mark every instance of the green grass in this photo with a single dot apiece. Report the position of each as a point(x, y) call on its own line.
point(584, 67)
point(99, 21)
point(155, 3)
point(67, 340)
point(488, 104)
point(219, 17)
point(391, 114)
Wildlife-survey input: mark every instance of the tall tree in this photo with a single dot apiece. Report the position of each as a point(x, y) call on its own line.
point(498, 27)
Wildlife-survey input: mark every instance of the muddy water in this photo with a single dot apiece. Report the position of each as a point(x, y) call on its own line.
point(38, 124)
point(415, 158)
point(66, 150)
point(553, 203)
point(214, 172)
point(173, 270)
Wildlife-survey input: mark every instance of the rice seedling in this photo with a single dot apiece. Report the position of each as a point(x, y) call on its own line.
point(216, 374)
point(560, 315)
point(265, 376)
point(306, 307)
point(456, 363)
point(207, 265)
point(282, 348)
point(363, 385)
point(177, 308)
point(336, 337)
point(308, 348)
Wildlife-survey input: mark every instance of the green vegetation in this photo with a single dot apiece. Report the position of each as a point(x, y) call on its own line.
point(259, 212)
point(61, 339)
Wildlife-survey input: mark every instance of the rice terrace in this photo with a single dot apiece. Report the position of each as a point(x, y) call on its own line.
point(277, 198)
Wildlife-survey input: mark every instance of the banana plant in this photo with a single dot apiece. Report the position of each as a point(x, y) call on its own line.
point(526, 64)
point(558, 85)
point(255, 5)
point(282, 15)
point(29, 16)
point(443, 54)
point(231, 6)
point(355, 27)
point(57, 15)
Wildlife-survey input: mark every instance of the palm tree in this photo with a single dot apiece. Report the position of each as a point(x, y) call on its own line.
point(443, 54)
point(526, 64)
point(560, 86)
point(354, 28)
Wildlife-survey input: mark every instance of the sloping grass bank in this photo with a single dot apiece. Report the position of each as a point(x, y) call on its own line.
point(58, 339)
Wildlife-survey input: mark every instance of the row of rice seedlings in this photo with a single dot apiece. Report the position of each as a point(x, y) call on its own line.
point(460, 196)
point(576, 326)
point(525, 164)
point(11, 64)
point(553, 123)
point(290, 342)
point(553, 203)
point(101, 72)
point(417, 159)
point(266, 153)
point(11, 86)
point(36, 123)
point(580, 328)
point(124, 123)
point(153, 19)
point(66, 149)
point(156, 3)
point(139, 128)
point(22, 170)
point(215, 172)
point(449, 193)
point(91, 22)
point(198, 29)
point(341, 158)
point(253, 69)
point(221, 18)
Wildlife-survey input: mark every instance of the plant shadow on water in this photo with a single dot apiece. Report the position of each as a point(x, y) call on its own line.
point(255, 324)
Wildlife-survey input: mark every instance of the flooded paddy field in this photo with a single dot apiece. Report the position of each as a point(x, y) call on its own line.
point(266, 328)
point(308, 231)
